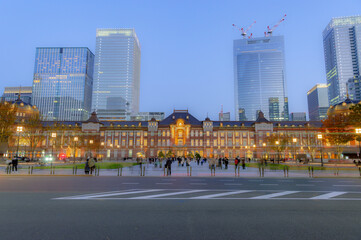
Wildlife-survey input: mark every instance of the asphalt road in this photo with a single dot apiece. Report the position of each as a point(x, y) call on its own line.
point(179, 208)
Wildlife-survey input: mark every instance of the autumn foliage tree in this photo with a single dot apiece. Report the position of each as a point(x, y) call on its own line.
point(34, 132)
point(7, 121)
point(338, 131)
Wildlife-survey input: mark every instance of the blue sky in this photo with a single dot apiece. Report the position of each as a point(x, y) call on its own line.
point(186, 45)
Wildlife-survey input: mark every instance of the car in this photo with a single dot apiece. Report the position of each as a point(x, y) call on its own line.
point(25, 159)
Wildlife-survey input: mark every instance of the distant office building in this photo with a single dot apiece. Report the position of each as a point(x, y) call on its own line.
point(342, 44)
point(11, 94)
point(317, 99)
point(117, 74)
point(147, 116)
point(259, 75)
point(354, 88)
point(298, 116)
point(63, 81)
point(224, 116)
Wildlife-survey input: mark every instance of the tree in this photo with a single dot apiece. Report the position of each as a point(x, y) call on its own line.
point(355, 115)
point(337, 131)
point(7, 121)
point(161, 155)
point(190, 155)
point(34, 132)
point(169, 154)
point(197, 156)
point(278, 143)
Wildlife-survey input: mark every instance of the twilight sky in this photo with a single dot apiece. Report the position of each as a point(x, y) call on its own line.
point(186, 45)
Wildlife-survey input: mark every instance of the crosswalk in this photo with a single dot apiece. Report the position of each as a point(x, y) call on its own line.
point(210, 194)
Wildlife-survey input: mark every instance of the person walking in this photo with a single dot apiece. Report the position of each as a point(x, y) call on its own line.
point(86, 167)
point(243, 163)
point(226, 161)
point(91, 164)
point(212, 165)
point(168, 165)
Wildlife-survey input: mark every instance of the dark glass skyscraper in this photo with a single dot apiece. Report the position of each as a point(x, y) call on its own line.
point(342, 50)
point(317, 100)
point(259, 78)
point(63, 82)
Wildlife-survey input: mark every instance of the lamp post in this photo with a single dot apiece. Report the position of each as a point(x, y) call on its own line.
point(264, 149)
point(358, 131)
point(19, 129)
point(278, 152)
point(294, 140)
point(53, 135)
point(319, 137)
point(75, 142)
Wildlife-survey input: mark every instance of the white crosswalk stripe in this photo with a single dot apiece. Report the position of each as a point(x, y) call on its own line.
point(211, 194)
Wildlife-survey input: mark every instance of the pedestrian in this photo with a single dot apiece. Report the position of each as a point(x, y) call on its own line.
point(91, 164)
point(86, 168)
point(236, 162)
point(168, 165)
point(14, 164)
point(226, 163)
point(243, 163)
point(212, 166)
point(188, 162)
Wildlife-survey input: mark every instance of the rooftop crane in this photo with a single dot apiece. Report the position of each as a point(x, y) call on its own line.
point(244, 32)
point(270, 30)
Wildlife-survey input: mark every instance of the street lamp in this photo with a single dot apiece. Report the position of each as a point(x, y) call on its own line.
point(264, 150)
point(358, 131)
point(75, 142)
point(294, 140)
point(278, 152)
point(19, 129)
point(53, 135)
point(319, 137)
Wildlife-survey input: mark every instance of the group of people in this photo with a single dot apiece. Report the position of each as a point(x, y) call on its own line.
point(238, 161)
point(90, 165)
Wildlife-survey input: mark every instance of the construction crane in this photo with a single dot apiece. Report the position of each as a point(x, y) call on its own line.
point(270, 30)
point(244, 32)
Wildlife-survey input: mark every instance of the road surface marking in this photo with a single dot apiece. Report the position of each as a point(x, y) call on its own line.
point(167, 194)
point(285, 180)
point(268, 184)
point(315, 181)
point(255, 180)
point(328, 195)
point(267, 196)
point(347, 185)
point(305, 185)
point(130, 183)
point(198, 183)
point(110, 194)
point(233, 184)
point(164, 183)
point(346, 181)
point(221, 194)
point(226, 180)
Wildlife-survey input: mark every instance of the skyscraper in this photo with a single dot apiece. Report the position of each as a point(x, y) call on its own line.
point(317, 99)
point(117, 74)
point(298, 116)
point(342, 50)
point(259, 76)
point(62, 83)
point(354, 88)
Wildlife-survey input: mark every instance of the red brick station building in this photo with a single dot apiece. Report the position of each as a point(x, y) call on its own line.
point(179, 134)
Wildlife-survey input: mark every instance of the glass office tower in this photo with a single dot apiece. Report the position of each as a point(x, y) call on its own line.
point(342, 50)
point(259, 73)
point(117, 74)
point(317, 99)
point(12, 94)
point(63, 82)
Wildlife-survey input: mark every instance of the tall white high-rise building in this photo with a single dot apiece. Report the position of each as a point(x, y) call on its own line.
point(342, 49)
point(117, 74)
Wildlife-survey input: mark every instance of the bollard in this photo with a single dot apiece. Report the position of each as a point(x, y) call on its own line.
point(98, 171)
point(187, 170)
point(121, 171)
point(143, 171)
point(118, 171)
point(76, 170)
point(73, 170)
point(312, 171)
point(190, 173)
point(238, 170)
point(235, 170)
point(29, 170)
point(284, 171)
point(32, 168)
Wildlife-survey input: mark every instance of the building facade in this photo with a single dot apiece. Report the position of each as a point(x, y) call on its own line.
point(12, 94)
point(354, 88)
point(317, 100)
point(259, 78)
point(63, 83)
point(180, 134)
point(117, 74)
point(224, 116)
point(298, 116)
point(342, 50)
